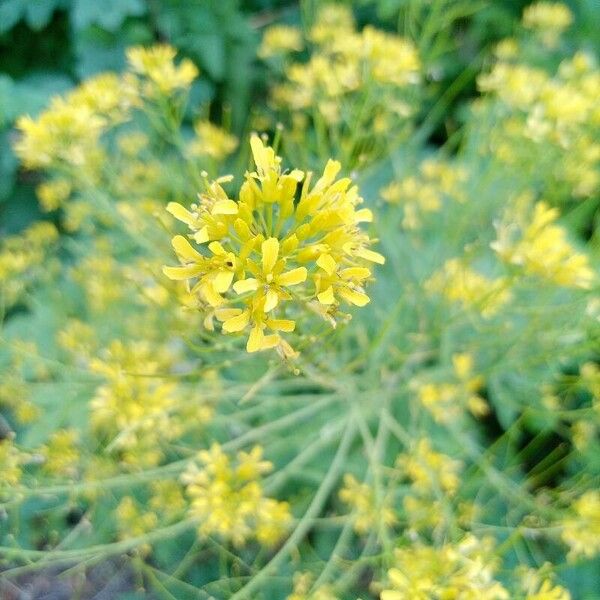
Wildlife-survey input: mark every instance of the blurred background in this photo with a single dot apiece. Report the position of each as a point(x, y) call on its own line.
point(48, 46)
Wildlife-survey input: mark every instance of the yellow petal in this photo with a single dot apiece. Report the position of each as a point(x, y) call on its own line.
point(264, 157)
point(242, 229)
point(222, 280)
point(281, 324)
point(181, 273)
point(245, 285)
point(224, 207)
point(217, 249)
point(293, 277)
point(184, 249)
point(364, 215)
point(370, 255)
point(332, 168)
point(237, 323)
point(259, 341)
point(181, 213)
point(327, 296)
point(201, 236)
point(327, 263)
point(271, 300)
point(354, 297)
point(210, 294)
point(270, 252)
point(227, 313)
point(255, 339)
point(208, 322)
point(289, 245)
point(355, 273)
point(270, 341)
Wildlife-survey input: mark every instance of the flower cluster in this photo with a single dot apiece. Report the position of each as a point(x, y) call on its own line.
point(435, 479)
point(256, 263)
point(368, 510)
point(133, 522)
point(11, 463)
point(546, 124)
point(347, 72)
point(159, 74)
point(426, 192)
point(139, 408)
point(462, 570)
point(581, 530)
point(279, 40)
point(23, 258)
point(459, 283)
point(228, 499)
point(430, 470)
point(547, 19)
point(61, 454)
point(211, 141)
point(303, 584)
point(447, 400)
point(66, 134)
point(542, 250)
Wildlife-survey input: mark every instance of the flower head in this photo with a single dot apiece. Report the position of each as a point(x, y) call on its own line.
point(258, 261)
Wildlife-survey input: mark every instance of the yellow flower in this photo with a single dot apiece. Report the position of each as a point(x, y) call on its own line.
point(543, 250)
point(61, 453)
point(280, 39)
point(430, 471)
point(138, 407)
point(63, 134)
point(581, 530)
point(156, 64)
point(549, 19)
point(133, 522)
point(11, 461)
point(538, 585)
point(212, 141)
point(53, 193)
point(448, 399)
point(459, 283)
point(269, 254)
point(463, 570)
point(303, 582)
point(228, 500)
point(368, 511)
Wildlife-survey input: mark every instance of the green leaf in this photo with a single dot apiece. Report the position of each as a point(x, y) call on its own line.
point(208, 49)
point(97, 50)
point(11, 12)
point(7, 92)
point(38, 13)
point(108, 14)
point(8, 167)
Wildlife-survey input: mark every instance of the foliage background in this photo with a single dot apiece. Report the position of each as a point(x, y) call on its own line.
point(48, 46)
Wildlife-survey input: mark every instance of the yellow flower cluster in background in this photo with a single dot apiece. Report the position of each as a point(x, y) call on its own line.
point(447, 400)
point(581, 530)
point(369, 512)
point(548, 19)
point(459, 283)
point(24, 259)
point(139, 408)
point(304, 590)
point(358, 88)
point(546, 124)
point(542, 250)
point(228, 499)
point(256, 263)
point(463, 570)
